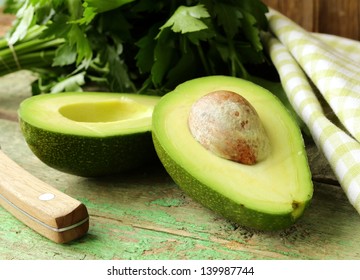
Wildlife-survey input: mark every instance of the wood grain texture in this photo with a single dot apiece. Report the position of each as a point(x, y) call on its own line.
point(144, 215)
point(338, 17)
point(302, 12)
point(61, 218)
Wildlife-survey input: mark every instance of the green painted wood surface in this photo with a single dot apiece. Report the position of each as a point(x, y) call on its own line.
point(144, 215)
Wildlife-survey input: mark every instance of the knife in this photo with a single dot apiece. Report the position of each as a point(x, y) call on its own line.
point(40, 206)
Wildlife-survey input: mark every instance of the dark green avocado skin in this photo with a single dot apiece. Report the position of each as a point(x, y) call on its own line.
point(240, 214)
point(90, 156)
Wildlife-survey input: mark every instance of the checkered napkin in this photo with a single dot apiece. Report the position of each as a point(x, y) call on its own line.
point(330, 63)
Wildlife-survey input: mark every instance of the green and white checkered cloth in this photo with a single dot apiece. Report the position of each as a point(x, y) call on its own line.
point(332, 64)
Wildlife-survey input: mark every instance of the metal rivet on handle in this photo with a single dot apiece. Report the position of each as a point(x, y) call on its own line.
point(46, 196)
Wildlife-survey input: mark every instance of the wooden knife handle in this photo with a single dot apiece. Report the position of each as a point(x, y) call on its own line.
point(40, 206)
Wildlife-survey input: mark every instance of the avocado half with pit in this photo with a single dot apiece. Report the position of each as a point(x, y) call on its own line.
point(270, 194)
point(89, 133)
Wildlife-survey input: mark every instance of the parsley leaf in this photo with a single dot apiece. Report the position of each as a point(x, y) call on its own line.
point(163, 57)
point(187, 19)
point(25, 17)
point(72, 83)
point(93, 7)
point(77, 38)
point(65, 55)
point(134, 45)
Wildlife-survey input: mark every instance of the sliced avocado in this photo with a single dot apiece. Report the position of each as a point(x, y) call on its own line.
point(269, 195)
point(89, 134)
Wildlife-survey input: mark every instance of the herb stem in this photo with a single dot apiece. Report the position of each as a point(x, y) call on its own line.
point(203, 60)
point(26, 61)
point(235, 62)
point(33, 33)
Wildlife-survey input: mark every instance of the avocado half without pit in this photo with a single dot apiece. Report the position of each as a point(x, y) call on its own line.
point(89, 133)
point(232, 146)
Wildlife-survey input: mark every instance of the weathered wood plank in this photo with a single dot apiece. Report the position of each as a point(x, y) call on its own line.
point(144, 215)
point(338, 17)
point(14, 88)
point(302, 12)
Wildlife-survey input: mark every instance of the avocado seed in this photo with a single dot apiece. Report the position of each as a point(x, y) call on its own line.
point(226, 124)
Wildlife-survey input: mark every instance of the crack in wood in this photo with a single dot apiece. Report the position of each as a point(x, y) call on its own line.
point(327, 181)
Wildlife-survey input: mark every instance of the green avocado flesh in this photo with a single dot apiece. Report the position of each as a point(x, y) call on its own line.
point(89, 134)
point(270, 195)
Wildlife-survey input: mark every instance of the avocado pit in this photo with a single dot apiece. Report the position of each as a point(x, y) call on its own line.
point(226, 124)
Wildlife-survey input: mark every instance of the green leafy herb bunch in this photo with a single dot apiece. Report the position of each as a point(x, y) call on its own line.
point(143, 46)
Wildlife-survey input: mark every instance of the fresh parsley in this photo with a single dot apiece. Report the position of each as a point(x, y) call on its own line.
point(143, 46)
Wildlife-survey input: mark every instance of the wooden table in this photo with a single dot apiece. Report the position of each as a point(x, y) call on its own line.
point(144, 215)
point(338, 17)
